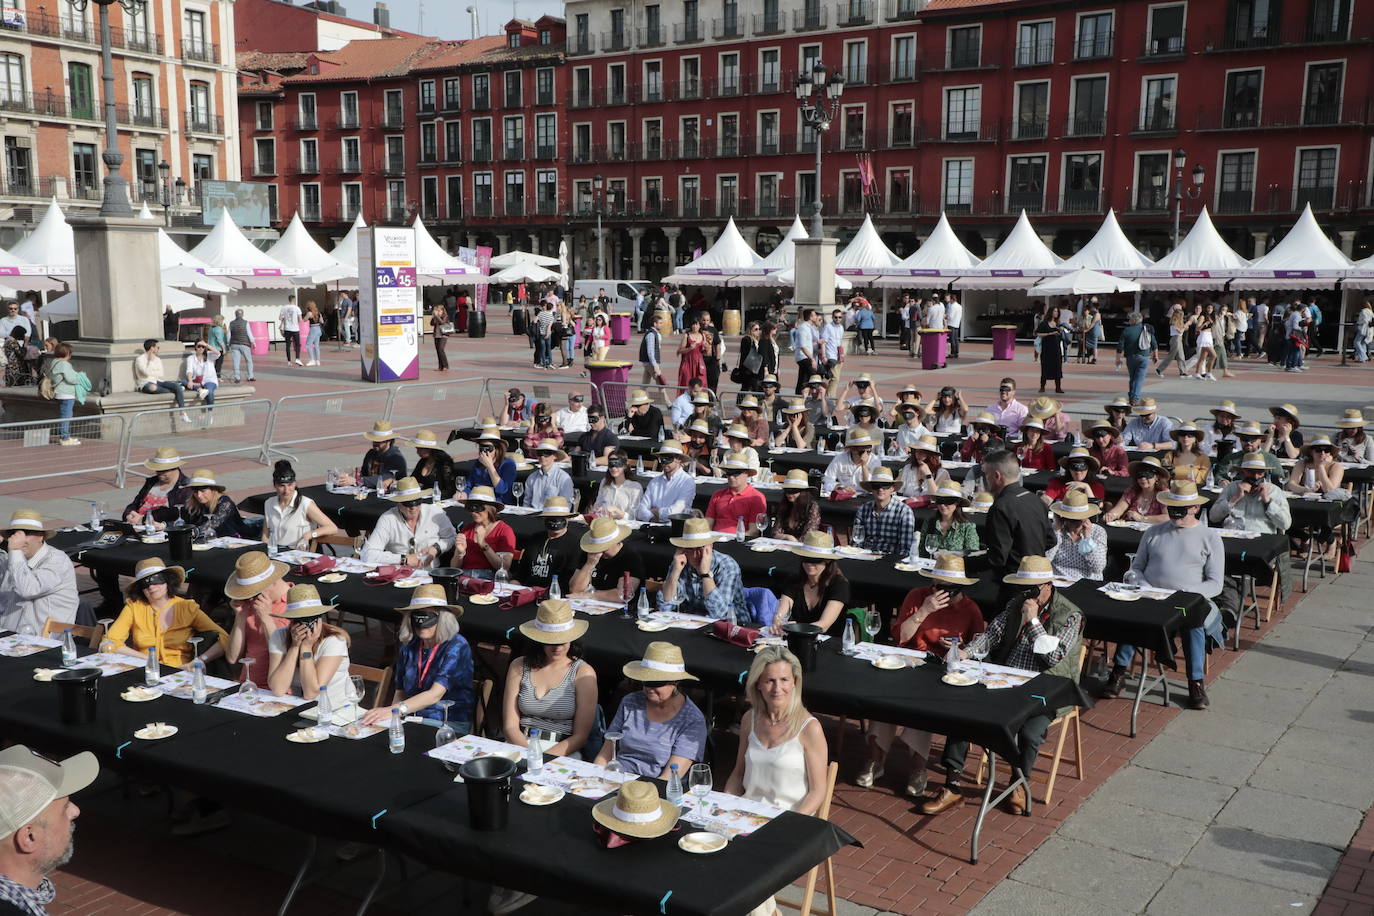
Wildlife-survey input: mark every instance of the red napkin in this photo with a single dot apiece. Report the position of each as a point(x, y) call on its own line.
point(919, 502)
point(318, 566)
point(522, 596)
point(389, 574)
point(842, 493)
point(609, 839)
point(734, 634)
point(471, 585)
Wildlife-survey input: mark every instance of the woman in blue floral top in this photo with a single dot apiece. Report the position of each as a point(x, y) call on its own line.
point(433, 663)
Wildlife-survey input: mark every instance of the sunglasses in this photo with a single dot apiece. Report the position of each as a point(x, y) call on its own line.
point(594, 418)
point(1078, 466)
point(947, 502)
point(423, 621)
point(884, 486)
point(1006, 389)
point(155, 579)
point(652, 685)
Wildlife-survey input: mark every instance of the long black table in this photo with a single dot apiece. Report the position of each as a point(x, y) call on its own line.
point(408, 803)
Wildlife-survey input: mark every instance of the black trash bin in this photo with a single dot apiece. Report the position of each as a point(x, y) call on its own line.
point(801, 641)
point(517, 322)
point(477, 324)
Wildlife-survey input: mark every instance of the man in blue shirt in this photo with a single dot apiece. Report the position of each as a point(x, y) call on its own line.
point(702, 581)
point(1137, 346)
point(548, 479)
point(682, 407)
point(1147, 430)
point(672, 491)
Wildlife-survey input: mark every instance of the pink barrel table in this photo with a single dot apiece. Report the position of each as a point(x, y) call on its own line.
point(933, 344)
point(620, 328)
point(1004, 341)
point(601, 371)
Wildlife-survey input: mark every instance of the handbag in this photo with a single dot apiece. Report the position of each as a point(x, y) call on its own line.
point(737, 375)
point(446, 328)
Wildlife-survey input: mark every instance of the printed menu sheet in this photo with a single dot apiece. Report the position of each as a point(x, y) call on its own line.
point(179, 684)
point(111, 663)
point(728, 815)
point(999, 677)
point(470, 747)
point(18, 646)
point(577, 777)
point(262, 704)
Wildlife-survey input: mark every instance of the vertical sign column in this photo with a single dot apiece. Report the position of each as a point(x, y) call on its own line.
point(388, 304)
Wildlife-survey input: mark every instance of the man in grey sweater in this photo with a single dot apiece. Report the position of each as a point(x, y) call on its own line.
point(1185, 555)
point(241, 344)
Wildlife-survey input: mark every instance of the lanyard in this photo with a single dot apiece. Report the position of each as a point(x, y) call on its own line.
point(422, 673)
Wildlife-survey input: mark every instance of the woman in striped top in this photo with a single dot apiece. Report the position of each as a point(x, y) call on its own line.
point(551, 688)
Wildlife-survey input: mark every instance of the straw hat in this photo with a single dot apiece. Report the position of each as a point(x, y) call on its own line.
point(253, 572)
point(738, 431)
point(489, 422)
point(1103, 425)
point(926, 443)
point(303, 601)
point(982, 501)
point(1032, 423)
point(701, 398)
point(425, 438)
point(1287, 410)
point(429, 598)
point(1147, 406)
point(670, 448)
point(150, 566)
point(604, 533)
point(696, 532)
point(1079, 453)
point(816, 380)
point(1353, 418)
point(408, 490)
point(490, 434)
point(1075, 504)
point(699, 426)
point(748, 402)
point(1044, 408)
point(816, 545)
point(864, 379)
point(483, 496)
point(865, 404)
point(1185, 429)
point(796, 479)
point(1225, 407)
point(949, 567)
point(770, 379)
point(1121, 403)
point(736, 461)
point(638, 397)
point(1253, 461)
point(1248, 428)
point(556, 507)
point(164, 459)
point(950, 492)
point(858, 438)
point(1150, 462)
point(985, 419)
point(203, 477)
point(662, 662)
point(636, 811)
point(28, 520)
point(554, 624)
point(1034, 570)
point(381, 432)
point(908, 389)
point(1318, 441)
point(882, 477)
point(546, 446)
point(795, 405)
point(1182, 493)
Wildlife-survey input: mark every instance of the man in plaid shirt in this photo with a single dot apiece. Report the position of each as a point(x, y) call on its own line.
point(886, 524)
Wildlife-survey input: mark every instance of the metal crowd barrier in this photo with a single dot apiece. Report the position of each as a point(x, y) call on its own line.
point(30, 449)
point(535, 388)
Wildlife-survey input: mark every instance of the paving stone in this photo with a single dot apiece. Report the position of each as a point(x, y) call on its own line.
point(1345, 750)
point(1267, 704)
point(1274, 813)
point(1190, 890)
point(1256, 857)
point(1093, 873)
point(1225, 765)
point(1231, 731)
point(1141, 832)
point(1286, 667)
point(1181, 796)
point(1012, 898)
point(1315, 779)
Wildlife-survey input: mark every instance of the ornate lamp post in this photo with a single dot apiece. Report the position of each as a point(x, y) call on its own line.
point(818, 95)
point(116, 199)
point(598, 205)
point(1193, 191)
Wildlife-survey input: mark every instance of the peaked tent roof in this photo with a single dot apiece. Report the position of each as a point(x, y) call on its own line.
point(229, 256)
point(940, 255)
point(173, 255)
point(346, 252)
point(50, 245)
point(525, 273)
point(781, 258)
point(730, 255)
point(144, 212)
point(512, 258)
point(1109, 250)
point(866, 255)
point(1021, 257)
point(788, 277)
point(435, 264)
point(296, 248)
point(1083, 282)
point(1305, 254)
point(1202, 260)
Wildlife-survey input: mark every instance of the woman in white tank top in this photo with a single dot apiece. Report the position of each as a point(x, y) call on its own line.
point(290, 518)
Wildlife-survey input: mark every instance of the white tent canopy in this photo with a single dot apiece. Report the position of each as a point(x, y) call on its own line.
point(729, 256)
point(1083, 282)
point(788, 277)
point(866, 255)
point(940, 255)
point(781, 258)
point(1362, 274)
point(182, 270)
point(144, 212)
point(51, 245)
point(1016, 263)
point(1109, 250)
point(435, 265)
point(524, 273)
point(1304, 258)
point(296, 248)
point(346, 252)
point(64, 308)
point(1202, 260)
point(230, 257)
point(512, 258)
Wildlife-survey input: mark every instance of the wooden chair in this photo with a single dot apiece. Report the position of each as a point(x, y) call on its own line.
point(355, 544)
point(380, 678)
point(92, 634)
point(1069, 719)
point(804, 908)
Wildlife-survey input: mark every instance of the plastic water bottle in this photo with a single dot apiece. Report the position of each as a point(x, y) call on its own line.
point(396, 733)
point(68, 649)
point(272, 548)
point(674, 786)
point(739, 528)
point(639, 466)
point(555, 591)
point(643, 606)
point(199, 692)
point(97, 519)
point(534, 753)
point(151, 670)
point(953, 658)
point(434, 496)
point(847, 643)
point(915, 553)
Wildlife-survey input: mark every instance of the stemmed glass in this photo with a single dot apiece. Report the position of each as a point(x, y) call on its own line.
point(613, 764)
point(502, 580)
point(354, 690)
point(873, 624)
point(699, 784)
point(247, 690)
point(974, 655)
point(857, 537)
point(517, 490)
point(762, 522)
point(195, 642)
point(106, 644)
point(445, 734)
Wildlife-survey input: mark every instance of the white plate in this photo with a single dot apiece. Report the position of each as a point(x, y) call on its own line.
point(652, 626)
point(483, 599)
point(201, 547)
point(850, 550)
point(959, 680)
point(307, 736)
point(333, 577)
point(702, 843)
point(539, 796)
point(764, 548)
point(147, 734)
point(412, 582)
point(906, 567)
point(1123, 596)
point(44, 674)
point(145, 694)
point(889, 662)
point(154, 538)
point(1118, 523)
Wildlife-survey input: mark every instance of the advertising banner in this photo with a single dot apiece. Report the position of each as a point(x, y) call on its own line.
point(387, 304)
point(484, 265)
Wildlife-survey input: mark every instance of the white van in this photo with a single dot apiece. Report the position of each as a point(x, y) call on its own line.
point(621, 292)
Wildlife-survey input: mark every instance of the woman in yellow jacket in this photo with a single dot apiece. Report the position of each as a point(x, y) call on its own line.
point(155, 616)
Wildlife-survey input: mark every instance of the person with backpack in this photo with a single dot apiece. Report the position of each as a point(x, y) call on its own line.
point(1137, 345)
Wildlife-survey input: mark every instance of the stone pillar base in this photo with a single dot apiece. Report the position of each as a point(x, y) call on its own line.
point(814, 273)
point(119, 296)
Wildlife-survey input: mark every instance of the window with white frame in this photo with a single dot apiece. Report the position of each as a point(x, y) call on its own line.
point(957, 188)
point(310, 156)
point(429, 197)
point(963, 112)
point(264, 156)
point(545, 136)
point(351, 158)
point(306, 111)
point(1317, 177)
point(310, 203)
point(1236, 189)
point(903, 58)
point(1034, 43)
point(1157, 113)
point(351, 201)
point(1026, 184)
point(453, 196)
point(264, 116)
point(348, 109)
point(1094, 38)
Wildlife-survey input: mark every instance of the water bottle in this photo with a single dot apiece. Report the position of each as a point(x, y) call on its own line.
point(396, 733)
point(643, 606)
point(272, 548)
point(639, 465)
point(953, 657)
point(434, 496)
point(674, 786)
point(554, 590)
point(847, 641)
point(534, 753)
point(199, 692)
point(739, 528)
point(68, 650)
point(1309, 479)
point(915, 553)
point(151, 670)
point(97, 520)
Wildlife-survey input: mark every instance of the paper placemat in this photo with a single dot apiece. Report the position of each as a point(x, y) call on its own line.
point(262, 704)
point(871, 650)
point(18, 646)
point(592, 607)
point(1145, 591)
point(470, 747)
point(577, 777)
point(728, 815)
point(111, 663)
point(1000, 677)
point(179, 684)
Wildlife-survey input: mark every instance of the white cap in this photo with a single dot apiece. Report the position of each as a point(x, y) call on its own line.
point(29, 783)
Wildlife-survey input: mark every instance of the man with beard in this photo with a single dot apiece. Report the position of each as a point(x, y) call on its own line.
point(37, 818)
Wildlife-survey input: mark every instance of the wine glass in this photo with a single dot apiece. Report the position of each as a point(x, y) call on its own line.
point(106, 644)
point(195, 642)
point(27, 630)
point(445, 734)
point(1131, 580)
point(517, 490)
point(502, 579)
point(247, 690)
point(858, 536)
point(762, 522)
point(355, 688)
point(873, 624)
point(975, 653)
point(699, 784)
point(613, 764)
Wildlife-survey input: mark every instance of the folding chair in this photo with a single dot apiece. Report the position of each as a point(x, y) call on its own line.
point(804, 908)
point(355, 544)
point(92, 634)
point(1070, 718)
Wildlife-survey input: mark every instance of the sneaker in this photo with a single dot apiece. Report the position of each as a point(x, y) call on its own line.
point(299, 363)
point(236, 381)
point(870, 774)
point(71, 441)
point(185, 417)
point(252, 378)
point(1210, 377)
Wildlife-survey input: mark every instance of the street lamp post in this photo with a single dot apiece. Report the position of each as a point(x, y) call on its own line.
point(116, 198)
point(600, 234)
point(1193, 191)
point(814, 90)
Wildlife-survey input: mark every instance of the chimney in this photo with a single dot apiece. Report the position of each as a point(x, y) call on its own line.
point(381, 16)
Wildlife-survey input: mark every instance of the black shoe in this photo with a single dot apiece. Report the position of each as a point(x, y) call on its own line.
point(1115, 682)
point(1197, 695)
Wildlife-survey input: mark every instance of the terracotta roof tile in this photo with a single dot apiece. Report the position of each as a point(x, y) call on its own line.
point(936, 6)
point(466, 52)
point(273, 60)
point(377, 58)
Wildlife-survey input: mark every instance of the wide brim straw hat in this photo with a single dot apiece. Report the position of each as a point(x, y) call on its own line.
point(550, 445)
point(738, 431)
point(1182, 493)
point(1253, 461)
point(796, 405)
point(28, 520)
point(604, 533)
point(381, 431)
point(1033, 570)
point(430, 598)
point(1118, 404)
point(816, 545)
point(770, 379)
point(1321, 441)
point(949, 567)
point(408, 490)
point(816, 380)
point(165, 459)
point(636, 811)
point(1105, 425)
point(948, 492)
point(303, 601)
point(857, 438)
point(670, 447)
point(699, 426)
point(1185, 429)
point(554, 624)
point(1044, 408)
point(1287, 410)
point(926, 443)
point(485, 496)
point(1225, 407)
point(1351, 419)
point(1075, 504)
point(1248, 428)
point(151, 566)
point(701, 398)
point(253, 572)
point(1032, 423)
point(985, 419)
point(748, 402)
point(982, 501)
point(490, 434)
point(203, 477)
point(639, 396)
point(555, 507)
point(1147, 406)
point(1152, 463)
point(797, 479)
point(736, 461)
point(662, 662)
point(881, 478)
point(1080, 454)
point(425, 438)
point(696, 532)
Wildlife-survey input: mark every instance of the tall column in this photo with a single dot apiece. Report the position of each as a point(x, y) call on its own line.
point(1261, 243)
point(1347, 242)
point(636, 268)
point(672, 235)
point(503, 242)
point(989, 244)
point(1048, 239)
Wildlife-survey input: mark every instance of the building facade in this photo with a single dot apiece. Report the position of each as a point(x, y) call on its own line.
point(175, 99)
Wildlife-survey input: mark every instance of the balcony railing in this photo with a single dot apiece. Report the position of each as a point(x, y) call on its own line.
point(1029, 129)
point(301, 123)
point(727, 28)
point(765, 24)
point(546, 151)
point(139, 116)
point(725, 87)
point(1150, 200)
point(1093, 47)
point(305, 167)
point(546, 207)
point(688, 31)
point(1318, 198)
point(48, 104)
point(1351, 114)
point(580, 98)
point(1310, 32)
point(1081, 201)
point(581, 44)
point(202, 51)
point(68, 29)
point(1235, 201)
point(513, 151)
point(615, 41)
point(481, 153)
point(1085, 125)
point(264, 169)
point(856, 74)
point(651, 36)
point(429, 157)
point(810, 19)
point(481, 101)
point(454, 105)
point(853, 12)
point(901, 70)
point(481, 208)
point(393, 119)
point(203, 124)
point(348, 167)
point(965, 131)
point(1164, 45)
point(767, 83)
point(427, 108)
point(515, 207)
point(903, 10)
point(1035, 53)
point(1154, 121)
point(393, 168)
point(346, 120)
point(1030, 201)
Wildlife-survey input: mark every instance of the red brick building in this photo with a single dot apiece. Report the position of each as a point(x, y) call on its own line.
point(280, 25)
